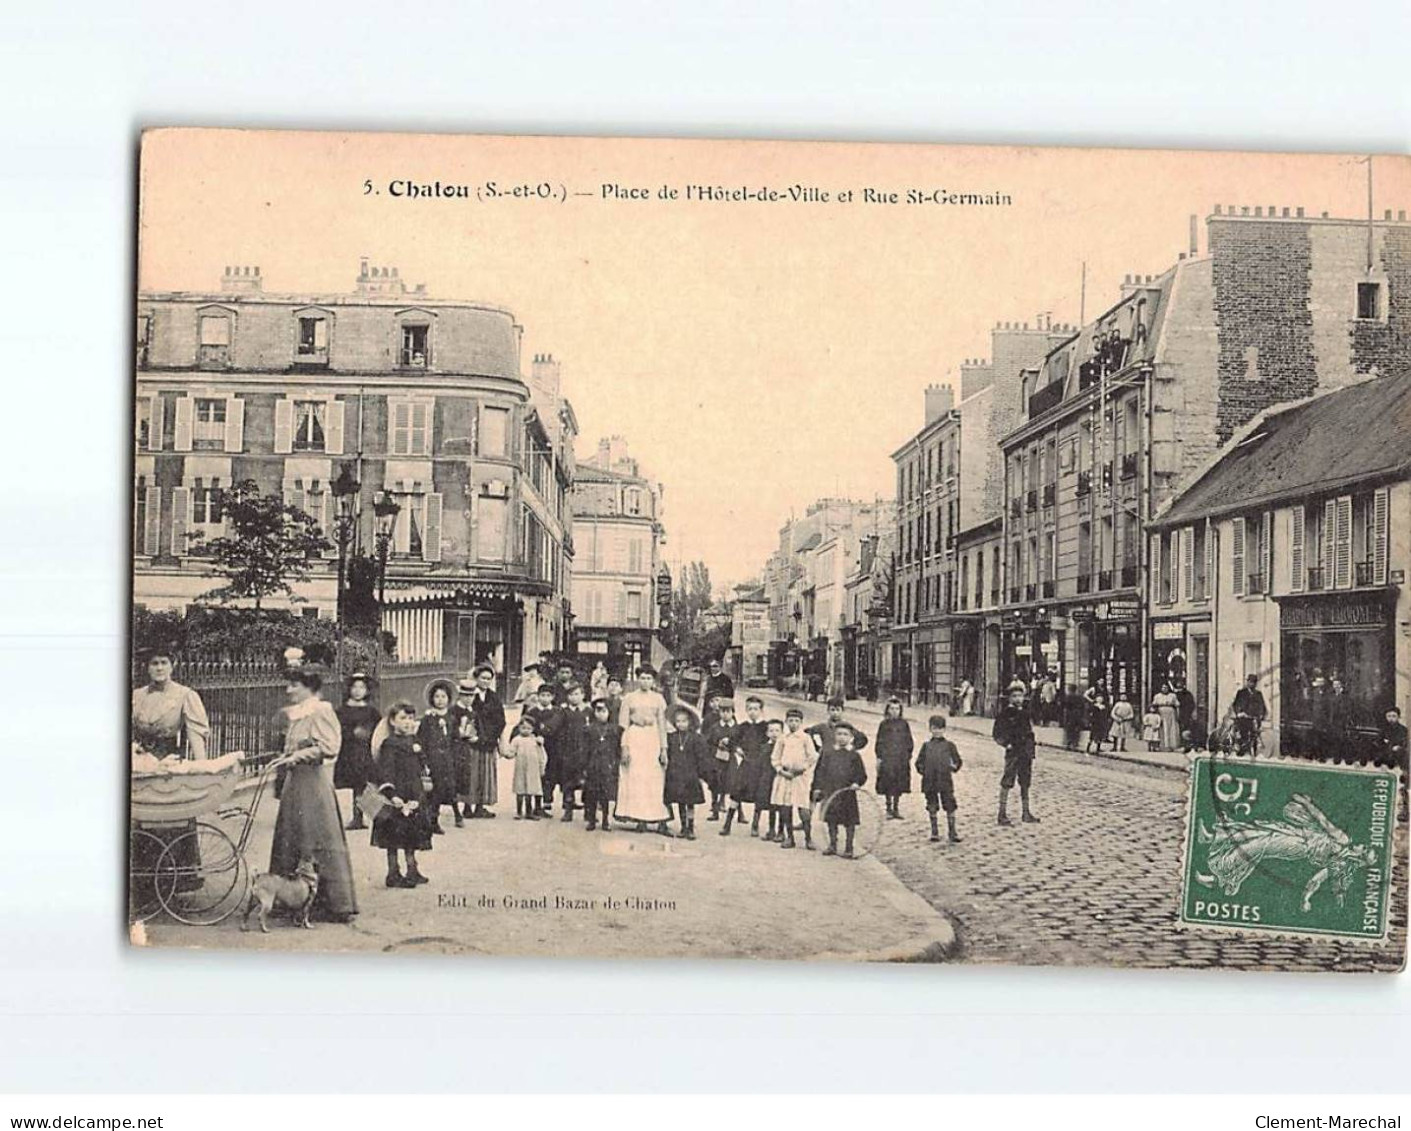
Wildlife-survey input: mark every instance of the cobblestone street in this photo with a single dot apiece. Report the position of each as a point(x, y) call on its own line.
point(1097, 882)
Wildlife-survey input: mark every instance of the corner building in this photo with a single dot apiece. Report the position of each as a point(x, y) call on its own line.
point(421, 399)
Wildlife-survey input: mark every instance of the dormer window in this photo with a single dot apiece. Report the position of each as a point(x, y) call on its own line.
point(312, 348)
point(416, 346)
point(214, 332)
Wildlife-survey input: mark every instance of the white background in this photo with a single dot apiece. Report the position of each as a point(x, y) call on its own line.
point(81, 1012)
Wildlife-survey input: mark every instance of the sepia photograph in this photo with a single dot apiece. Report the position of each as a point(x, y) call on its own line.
point(578, 547)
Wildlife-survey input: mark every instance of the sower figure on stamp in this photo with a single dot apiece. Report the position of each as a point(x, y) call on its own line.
point(1015, 733)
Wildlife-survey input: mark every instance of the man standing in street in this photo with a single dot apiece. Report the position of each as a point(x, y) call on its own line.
point(1015, 733)
point(1250, 712)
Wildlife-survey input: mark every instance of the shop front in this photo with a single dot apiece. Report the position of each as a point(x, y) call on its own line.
point(1337, 673)
point(1180, 656)
point(1032, 644)
point(1110, 647)
point(622, 651)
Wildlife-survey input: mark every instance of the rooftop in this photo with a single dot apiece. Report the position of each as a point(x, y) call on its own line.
point(1351, 435)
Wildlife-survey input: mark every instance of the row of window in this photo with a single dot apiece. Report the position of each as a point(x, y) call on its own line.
point(604, 604)
point(935, 466)
point(1043, 462)
point(312, 338)
point(313, 424)
point(929, 532)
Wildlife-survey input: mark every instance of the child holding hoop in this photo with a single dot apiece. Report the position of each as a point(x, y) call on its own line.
point(838, 770)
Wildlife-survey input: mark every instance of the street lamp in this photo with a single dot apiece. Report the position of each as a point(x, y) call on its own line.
point(345, 490)
point(385, 509)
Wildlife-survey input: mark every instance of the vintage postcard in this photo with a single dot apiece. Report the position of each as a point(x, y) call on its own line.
point(628, 548)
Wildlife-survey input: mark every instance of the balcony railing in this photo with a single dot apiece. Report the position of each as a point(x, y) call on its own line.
point(1031, 501)
point(1129, 575)
point(1256, 584)
point(1198, 592)
point(1031, 592)
point(1048, 588)
point(1104, 579)
point(1085, 483)
point(1129, 465)
point(1085, 583)
point(1362, 573)
point(1315, 579)
point(1050, 493)
point(1015, 595)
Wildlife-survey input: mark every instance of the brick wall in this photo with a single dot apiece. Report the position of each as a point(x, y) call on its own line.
point(1262, 274)
point(1386, 346)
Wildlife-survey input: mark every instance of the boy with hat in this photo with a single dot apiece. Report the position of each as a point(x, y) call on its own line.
point(823, 733)
point(938, 760)
point(837, 771)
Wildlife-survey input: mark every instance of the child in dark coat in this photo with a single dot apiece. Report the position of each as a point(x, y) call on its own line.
point(686, 756)
point(894, 749)
point(437, 737)
point(938, 760)
point(572, 738)
point(719, 736)
point(602, 758)
point(838, 769)
point(751, 757)
point(764, 784)
point(404, 823)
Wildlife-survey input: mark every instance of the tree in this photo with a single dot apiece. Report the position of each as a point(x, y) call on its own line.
point(690, 597)
point(267, 545)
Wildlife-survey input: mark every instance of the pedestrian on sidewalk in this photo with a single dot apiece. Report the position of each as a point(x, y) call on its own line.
point(1099, 716)
point(358, 716)
point(603, 753)
point(1122, 715)
point(1075, 713)
point(938, 760)
point(1168, 707)
point(1151, 729)
point(1015, 733)
point(750, 758)
point(895, 746)
point(687, 756)
point(404, 823)
point(794, 758)
point(838, 770)
point(530, 761)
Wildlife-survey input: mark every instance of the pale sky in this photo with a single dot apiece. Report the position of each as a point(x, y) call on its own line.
point(755, 356)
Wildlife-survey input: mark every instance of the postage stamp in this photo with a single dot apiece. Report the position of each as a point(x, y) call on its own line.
point(1288, 848)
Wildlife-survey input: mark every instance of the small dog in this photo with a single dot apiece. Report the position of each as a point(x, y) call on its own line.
point(294, 893)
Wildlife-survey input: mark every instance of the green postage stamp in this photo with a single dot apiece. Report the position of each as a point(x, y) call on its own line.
point(1288, 848)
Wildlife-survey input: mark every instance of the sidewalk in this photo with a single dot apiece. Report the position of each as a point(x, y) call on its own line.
point(1049, 737)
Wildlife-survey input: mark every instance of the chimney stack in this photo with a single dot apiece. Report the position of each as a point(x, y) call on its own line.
point(241, 279)
point(940, 399)
point(1195, 236)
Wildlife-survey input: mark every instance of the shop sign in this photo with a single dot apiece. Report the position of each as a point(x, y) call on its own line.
point(1023, 650)
point(1334, 612)
point(1082, 612)
point(1049, 647)
point(1168, 630)
point(1123, 610)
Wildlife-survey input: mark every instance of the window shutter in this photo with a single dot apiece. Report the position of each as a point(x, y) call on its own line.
point(185, 408)
point(1188, 561)
point(431, 538)
point(328, 522)
point(180, 520)
point(155, 422)
point(234, 424)
point(1381, 506)
point(1210, 529)
point(333, 432)
point(1329, 541)
point(283, 425)
point(1342, 550)
point(427, 412)
point(620, 607)
point(1298, 575)
point(152, 534)
point(1267, 565)
point(1237, 556)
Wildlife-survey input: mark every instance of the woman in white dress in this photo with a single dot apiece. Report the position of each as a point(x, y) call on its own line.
point(642, 779)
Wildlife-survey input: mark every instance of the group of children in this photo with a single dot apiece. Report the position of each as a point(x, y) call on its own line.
point(779, 768)
point(564, 745)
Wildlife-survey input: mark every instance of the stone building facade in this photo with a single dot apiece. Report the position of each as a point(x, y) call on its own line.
point(421, 399)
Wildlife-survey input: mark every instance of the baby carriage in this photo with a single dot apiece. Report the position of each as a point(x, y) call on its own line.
point(181, 858)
